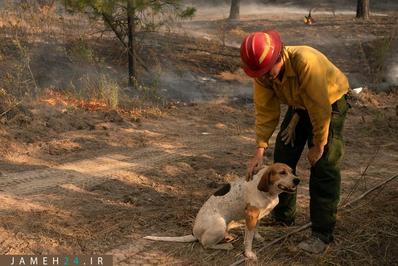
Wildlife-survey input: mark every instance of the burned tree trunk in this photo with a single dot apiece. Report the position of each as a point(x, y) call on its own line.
point(131, 41)
point(363, 9)
point(234, 11)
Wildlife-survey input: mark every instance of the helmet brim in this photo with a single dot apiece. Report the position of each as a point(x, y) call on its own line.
point(255, 74)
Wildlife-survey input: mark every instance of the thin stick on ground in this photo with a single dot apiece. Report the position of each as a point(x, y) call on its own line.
point(369, 191)
point(27, 59)
point(356, 185)
point(9, 109)
point(302, 228)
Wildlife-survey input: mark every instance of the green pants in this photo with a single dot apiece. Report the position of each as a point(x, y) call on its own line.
point(325, 174)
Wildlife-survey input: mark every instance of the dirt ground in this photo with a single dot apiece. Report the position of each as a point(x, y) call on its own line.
point(80, 180)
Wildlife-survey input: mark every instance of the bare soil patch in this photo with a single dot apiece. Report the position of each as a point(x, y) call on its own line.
point(102, 188)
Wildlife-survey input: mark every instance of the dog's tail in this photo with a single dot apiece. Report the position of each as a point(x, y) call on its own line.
point(182, 239)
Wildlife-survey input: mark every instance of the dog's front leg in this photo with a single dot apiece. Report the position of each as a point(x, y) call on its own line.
point(252, 214)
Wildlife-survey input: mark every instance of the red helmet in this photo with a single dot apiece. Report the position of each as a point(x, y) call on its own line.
point(259, 52)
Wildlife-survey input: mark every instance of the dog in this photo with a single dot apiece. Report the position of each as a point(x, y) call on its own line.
point(309, 20)
point(237, 201)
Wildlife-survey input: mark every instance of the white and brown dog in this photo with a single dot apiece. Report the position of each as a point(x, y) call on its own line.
point(240, 200)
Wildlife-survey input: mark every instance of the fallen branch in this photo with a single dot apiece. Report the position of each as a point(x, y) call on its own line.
point(347, 198)
point(302, 228)
point(276, 241)
point(367, 192)
point(27, 59)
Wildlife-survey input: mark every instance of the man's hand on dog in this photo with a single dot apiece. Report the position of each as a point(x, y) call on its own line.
point(255, 163)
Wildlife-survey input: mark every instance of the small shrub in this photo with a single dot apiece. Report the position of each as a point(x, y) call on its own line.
point(108, 91)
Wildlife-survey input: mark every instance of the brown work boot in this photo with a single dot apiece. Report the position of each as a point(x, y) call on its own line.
point(313, 245)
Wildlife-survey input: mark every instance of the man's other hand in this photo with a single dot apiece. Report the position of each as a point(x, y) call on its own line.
point(288, 135)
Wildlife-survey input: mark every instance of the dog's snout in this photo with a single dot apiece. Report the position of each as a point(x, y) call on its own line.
point(296, 181)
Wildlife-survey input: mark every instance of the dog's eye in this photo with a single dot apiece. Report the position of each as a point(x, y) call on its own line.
point(283, 172)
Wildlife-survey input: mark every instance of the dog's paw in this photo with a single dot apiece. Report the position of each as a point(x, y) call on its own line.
point(230, 238)
point(250, 255)
point(258, 237)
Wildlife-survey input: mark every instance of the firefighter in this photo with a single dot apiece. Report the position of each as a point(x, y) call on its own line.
point(314, 89)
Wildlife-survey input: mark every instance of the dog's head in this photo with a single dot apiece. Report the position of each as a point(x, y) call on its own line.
point(278, 178)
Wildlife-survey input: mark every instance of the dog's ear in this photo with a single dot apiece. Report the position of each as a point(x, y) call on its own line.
point(265, 180)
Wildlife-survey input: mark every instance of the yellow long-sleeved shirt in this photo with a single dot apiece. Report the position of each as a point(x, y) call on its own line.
point(310, 81)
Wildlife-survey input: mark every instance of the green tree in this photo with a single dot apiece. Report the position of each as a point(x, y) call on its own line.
point(128, 17)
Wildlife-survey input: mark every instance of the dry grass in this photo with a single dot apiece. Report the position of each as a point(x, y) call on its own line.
point(365, 234)
point(368, 231)
point(133, 108)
